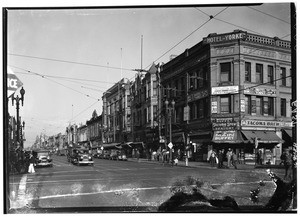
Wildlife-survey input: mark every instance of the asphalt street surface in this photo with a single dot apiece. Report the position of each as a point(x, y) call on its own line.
point(113, 184)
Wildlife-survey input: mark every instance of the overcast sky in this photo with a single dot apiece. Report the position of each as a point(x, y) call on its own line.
point(104, 45)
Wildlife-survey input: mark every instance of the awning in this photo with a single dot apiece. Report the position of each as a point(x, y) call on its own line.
point(110, 145)
point(133, 144)
point(288, 132)
point(262, 136)
point(230, 136)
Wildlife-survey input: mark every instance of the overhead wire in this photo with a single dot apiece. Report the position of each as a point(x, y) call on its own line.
point(67, 61)
point(270, 15)
point(186, 37)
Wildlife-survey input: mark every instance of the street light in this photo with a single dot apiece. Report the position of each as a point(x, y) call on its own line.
point(18, 99)
point(170, 110)
point(21, 133)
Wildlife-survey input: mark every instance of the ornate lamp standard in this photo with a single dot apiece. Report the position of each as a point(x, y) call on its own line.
point(170, 110)
point(21, 133)
point(18, 99)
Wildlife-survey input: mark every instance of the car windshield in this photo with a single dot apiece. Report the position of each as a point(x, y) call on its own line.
point(83, 151)
point(39, 154)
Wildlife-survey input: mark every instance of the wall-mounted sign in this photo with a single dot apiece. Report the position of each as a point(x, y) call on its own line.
point(198, 95)
point(259, 123)
point(224, 90)
point(214, 107)
point(259, 91)
point(13, 82)
point(186, 113)
point(243, 107)
point(224, 123)
point(225, 37)
point(224, 136)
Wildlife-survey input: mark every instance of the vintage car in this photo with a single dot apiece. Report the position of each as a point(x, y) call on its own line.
point(42, 157)
point(80, 156)
point(116, 154)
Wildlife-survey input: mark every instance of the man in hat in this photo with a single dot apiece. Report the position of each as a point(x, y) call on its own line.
point(31, 163)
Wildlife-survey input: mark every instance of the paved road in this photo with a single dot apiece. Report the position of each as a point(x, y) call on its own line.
point(124, 184)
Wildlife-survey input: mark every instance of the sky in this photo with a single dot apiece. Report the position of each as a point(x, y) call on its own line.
point(67, 58)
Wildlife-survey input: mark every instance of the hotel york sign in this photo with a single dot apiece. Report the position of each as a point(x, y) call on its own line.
point(223, 38)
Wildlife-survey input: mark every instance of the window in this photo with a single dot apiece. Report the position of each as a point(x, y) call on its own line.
point(149, 114)
point(154, 88)
point(259, 73)
point(283, 107)
point(248, 104)
point(149, 89)
point(225, 72)
point(271, 106)
point(225, 104)
point(192, 81)
point(248, 71)
point(155, 113)
point(270, 74)
point(183, 86)
point(259, 106)
point(201, 108)
point(283, 76)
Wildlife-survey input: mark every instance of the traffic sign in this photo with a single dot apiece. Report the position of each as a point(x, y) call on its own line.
point(170, 145)
point(13, 82)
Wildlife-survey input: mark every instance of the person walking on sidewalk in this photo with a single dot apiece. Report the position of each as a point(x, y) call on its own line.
point(31, 164)
point(212, 158)
point(220, 157)
point(234, 159)
point(228, 155)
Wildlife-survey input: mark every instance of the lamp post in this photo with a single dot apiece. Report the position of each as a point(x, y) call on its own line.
point(18, 99)
point(170, 110)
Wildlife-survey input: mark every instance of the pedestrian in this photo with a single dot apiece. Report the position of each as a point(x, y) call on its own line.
point(288, 166)
point(259, 157)
point(137, 155)
point(220, 156)
point(228, 155)
point(31, 164)
point(212, 158)
point(234, 159)
point(176, 161)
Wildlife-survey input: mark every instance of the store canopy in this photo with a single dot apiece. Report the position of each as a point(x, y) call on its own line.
point(262, 136)
point(288, 132)
point(110, 145)
point(133, 144)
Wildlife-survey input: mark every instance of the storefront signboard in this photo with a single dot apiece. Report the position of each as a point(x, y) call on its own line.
point(224, 136)
point(224, 124)
point(259, 91)
point(259, 123)
point(197, 95)
point(224, 90)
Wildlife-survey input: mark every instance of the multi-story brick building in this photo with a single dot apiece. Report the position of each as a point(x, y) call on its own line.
point(116, 113)
point(144, 109)
point(230, 91)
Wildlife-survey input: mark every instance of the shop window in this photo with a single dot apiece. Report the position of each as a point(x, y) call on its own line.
point(271, 106)
point(270, 74)
point(225, 72)
point(259, 73)
point(259, 106)
point(283, 76)
point(225, 104)
point(248, 71)
point(283, 107)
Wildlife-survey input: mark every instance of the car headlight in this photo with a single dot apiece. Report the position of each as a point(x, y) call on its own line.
point(81, 157)
point(90, 157)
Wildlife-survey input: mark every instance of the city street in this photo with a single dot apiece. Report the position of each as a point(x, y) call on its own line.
point(117, 185)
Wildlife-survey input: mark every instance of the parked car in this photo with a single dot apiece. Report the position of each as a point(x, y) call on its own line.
point(80, 156)
point(42, 157)
point(105, 154)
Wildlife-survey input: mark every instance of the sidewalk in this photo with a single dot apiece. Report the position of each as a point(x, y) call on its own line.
point(193, 164)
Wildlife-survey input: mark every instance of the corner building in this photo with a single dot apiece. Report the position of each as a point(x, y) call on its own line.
point(231, 90)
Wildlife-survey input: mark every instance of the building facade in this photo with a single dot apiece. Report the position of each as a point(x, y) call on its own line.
point(230, 91)
point(116, 116)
